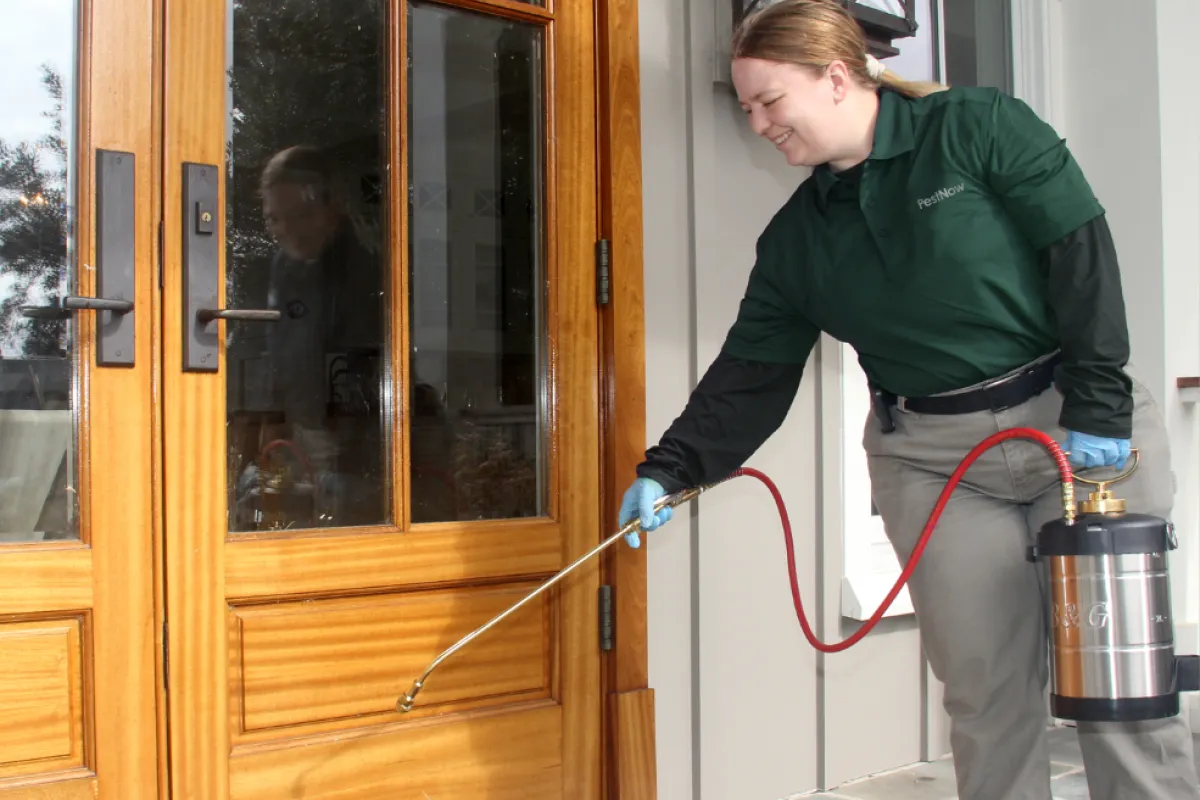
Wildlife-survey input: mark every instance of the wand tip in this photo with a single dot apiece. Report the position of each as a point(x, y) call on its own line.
point(406, 703)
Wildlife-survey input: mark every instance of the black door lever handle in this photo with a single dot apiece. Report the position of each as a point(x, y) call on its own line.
point(62, 308)
point(116, 305)
point(115, 264)
point(207, 315)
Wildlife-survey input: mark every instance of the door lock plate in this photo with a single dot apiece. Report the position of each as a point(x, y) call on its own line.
point(116, 255)
point(201, 267)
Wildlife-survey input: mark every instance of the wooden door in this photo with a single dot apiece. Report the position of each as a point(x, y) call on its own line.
point(390, 432)
point(77, 634)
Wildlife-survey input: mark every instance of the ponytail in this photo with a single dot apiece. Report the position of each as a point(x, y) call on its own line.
point(909, 89)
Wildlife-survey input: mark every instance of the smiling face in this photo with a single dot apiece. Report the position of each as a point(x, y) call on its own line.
point(813, 116)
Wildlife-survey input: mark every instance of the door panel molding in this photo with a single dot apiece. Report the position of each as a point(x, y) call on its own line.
point(279, 648)
point(45, 728)
point(53, 578)
point(439, 758)
point(423, 556)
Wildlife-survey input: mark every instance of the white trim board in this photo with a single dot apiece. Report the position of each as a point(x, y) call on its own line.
point(868, 567)
point(862, 595)
point(1037, 63)
point(869, 563)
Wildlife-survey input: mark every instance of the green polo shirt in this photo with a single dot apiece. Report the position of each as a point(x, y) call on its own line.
point(926, 257)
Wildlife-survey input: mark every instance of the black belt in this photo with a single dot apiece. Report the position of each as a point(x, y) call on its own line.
point(1006, 393)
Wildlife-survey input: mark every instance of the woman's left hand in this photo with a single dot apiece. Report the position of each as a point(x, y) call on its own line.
point(1088, 451)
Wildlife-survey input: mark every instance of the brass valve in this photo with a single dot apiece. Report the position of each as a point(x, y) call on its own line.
point(1102, 500)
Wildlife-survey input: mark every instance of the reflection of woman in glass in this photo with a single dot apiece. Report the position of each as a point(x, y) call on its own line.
point(323, 280)
point(323, 354)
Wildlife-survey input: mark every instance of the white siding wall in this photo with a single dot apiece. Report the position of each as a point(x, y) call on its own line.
point(745, 709)
point(1125, 102)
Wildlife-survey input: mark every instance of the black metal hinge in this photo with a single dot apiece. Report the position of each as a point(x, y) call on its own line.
point(606, 618)
point(602, 274)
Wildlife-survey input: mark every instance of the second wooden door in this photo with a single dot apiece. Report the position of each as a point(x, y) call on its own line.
point(379, 391)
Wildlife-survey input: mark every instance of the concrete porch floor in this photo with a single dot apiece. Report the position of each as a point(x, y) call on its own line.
point(935, 780)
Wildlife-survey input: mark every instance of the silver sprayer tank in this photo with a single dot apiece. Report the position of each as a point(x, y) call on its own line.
point(1109, 616)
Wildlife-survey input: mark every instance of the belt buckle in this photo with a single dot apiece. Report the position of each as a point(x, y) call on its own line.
point(996, 405)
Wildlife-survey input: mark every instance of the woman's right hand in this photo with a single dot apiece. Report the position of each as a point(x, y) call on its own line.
point(639, 501)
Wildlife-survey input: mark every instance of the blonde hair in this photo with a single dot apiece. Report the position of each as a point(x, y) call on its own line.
point(815, 33)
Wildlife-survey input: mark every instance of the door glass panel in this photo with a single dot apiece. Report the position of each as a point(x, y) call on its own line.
point(38, 176)
point(307, 433)
point(476, 266)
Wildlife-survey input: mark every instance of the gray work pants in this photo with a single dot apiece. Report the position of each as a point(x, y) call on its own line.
point(979, 602)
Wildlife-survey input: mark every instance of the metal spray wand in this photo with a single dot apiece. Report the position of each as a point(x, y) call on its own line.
point(405, 703)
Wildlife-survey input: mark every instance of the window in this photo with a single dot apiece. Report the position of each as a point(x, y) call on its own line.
point(977, 43)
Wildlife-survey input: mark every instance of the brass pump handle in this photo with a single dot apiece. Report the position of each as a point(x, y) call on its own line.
point(1102, 485)
point(1101, 501)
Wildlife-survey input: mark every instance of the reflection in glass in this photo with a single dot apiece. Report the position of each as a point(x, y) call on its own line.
point(477, 282)
point(307, 443)
point(37, 252)
point(978, 42)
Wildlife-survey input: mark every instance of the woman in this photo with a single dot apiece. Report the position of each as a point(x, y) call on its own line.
point(949, 236)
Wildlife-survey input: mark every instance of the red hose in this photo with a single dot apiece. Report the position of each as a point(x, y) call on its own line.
point(1064, 469)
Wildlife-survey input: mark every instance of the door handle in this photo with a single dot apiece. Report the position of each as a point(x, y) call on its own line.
point(115, 270)
point(207, 315)
point(201, 272)
point(62, 308)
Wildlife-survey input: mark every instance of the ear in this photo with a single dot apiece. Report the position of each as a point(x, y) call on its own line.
point(839, 76)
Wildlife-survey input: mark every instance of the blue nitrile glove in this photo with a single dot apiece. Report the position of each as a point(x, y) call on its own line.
point(1088, 451)
point(639, 502)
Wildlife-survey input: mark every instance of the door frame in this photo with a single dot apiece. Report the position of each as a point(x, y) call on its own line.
point(628, 744)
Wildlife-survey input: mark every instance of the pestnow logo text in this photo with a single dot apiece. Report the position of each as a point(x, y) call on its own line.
point(940, 195)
